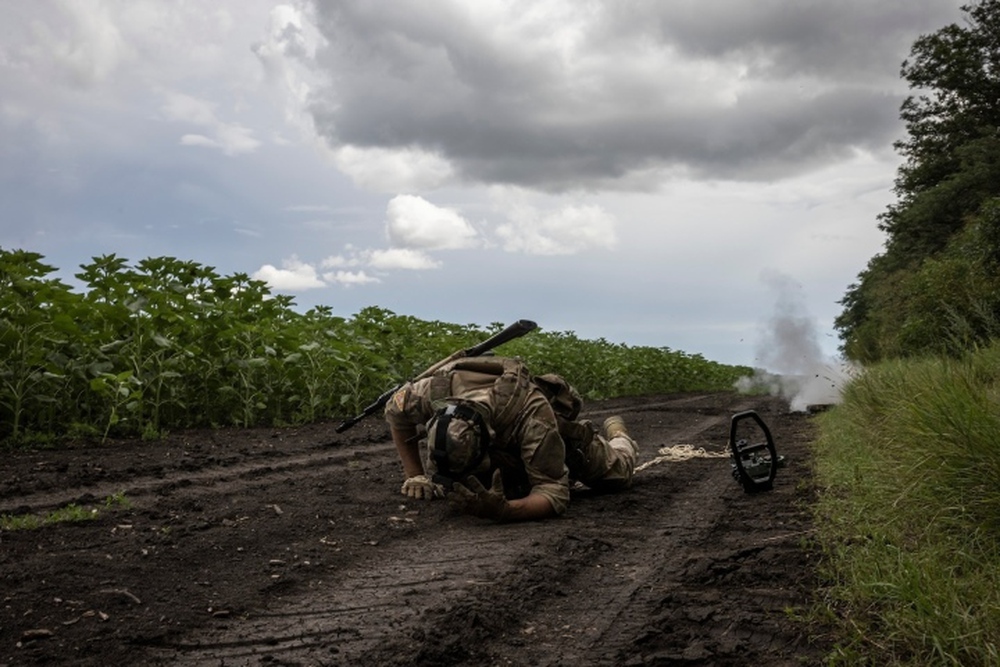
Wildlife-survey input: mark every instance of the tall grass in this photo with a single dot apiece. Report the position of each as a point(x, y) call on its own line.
point(909, 515)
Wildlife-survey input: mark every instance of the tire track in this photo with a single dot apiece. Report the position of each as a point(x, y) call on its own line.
point(202, 481)
point(386, 605)
point(372, 604)
point(624, 587)
point(275, 546)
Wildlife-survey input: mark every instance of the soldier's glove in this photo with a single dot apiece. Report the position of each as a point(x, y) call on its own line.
point(420, 487)
point(475, 499)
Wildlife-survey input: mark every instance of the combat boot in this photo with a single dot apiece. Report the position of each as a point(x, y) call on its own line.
point(614, 427)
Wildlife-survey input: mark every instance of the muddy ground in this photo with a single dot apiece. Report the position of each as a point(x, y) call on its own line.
point(294, 547)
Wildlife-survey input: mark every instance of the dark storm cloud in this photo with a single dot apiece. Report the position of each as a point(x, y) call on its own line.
point(850, 38)
point(592, 94)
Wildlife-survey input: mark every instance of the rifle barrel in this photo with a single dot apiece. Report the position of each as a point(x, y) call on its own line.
point(515, 330)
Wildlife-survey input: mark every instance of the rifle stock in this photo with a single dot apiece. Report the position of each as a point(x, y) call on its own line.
point(515, 330)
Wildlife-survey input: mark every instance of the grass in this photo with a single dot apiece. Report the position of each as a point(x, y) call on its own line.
point(71, 513)
point(909, 514)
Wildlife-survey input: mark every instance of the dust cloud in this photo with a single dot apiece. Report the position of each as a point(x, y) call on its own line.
point(790, 359)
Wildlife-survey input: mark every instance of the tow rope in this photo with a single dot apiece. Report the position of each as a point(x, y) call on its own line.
point(754, 464)
point(675, 453)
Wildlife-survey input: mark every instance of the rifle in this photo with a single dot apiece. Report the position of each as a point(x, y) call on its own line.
point(513, 331)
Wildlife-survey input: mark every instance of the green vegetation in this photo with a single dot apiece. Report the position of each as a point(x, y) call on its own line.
point(909, 464)
point(936, 288)
point(71, 513)
point(117, 501)
point(909, 513)
point(168, 344)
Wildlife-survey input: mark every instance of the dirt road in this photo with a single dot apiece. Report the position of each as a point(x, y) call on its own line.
point(294, 547)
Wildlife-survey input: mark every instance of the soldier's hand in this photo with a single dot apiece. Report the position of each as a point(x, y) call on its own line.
point(420, 487)
point(475, 499)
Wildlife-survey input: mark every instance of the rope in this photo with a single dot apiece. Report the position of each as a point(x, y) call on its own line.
point(677, 453)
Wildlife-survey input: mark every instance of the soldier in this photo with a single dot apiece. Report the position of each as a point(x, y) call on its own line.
point(488, 421)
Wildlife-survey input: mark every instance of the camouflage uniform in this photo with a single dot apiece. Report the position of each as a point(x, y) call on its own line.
point(525, 442)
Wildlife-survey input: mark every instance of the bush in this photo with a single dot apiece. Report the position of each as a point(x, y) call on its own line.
point(168, 344)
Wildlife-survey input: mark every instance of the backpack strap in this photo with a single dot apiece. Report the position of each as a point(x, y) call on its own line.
point(566, 401)
point(507, 393)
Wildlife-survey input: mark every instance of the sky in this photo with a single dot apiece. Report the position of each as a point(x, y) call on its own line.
point(703, 175)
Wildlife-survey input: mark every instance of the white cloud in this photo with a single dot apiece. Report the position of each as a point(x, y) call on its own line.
point(230, 138)
point(401, 258)
point(287, 55)
point(187, 109)
point(296, 275)
point(122, 47)
point(349, 278)
point(293, 276)
point(285, 38)
point(199, 140)
point(85, 78)
point(90, 50)
point(389, 259)
point(393, 170)
point(235, 139)
point(413, 222)
point(338, 261)
point(566, 231)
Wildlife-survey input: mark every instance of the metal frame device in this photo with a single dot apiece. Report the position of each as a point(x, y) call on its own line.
point(755, 465)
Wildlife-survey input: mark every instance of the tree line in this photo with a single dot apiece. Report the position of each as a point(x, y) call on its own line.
point(935, 288)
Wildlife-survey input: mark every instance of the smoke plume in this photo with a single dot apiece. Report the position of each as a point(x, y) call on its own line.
point(790, 359)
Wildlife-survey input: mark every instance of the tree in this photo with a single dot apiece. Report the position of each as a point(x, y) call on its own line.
point(951, 170)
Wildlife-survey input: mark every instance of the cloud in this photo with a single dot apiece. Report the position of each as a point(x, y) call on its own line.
point(188, 109)
point(292, 277)
point(401, 258)
point(285, 38)
point(383, 260)
point(230, 138)
point(287, 53)
point(566, 231)
point(78, 45)
point(404, 168)
point(605, 94)
point(339, 261)
point(86, 79)
point(122, 47)
point(416, 228)
point(779, 39)
point(415, 223)
point(296, 275)
point(350, 278)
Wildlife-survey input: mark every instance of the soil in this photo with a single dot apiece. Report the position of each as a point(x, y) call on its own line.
point(294, 547)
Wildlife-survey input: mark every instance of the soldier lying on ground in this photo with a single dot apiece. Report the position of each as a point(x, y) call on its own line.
point(488, 421)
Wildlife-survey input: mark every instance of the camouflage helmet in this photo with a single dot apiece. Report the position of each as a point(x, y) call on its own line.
point(457, 442)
